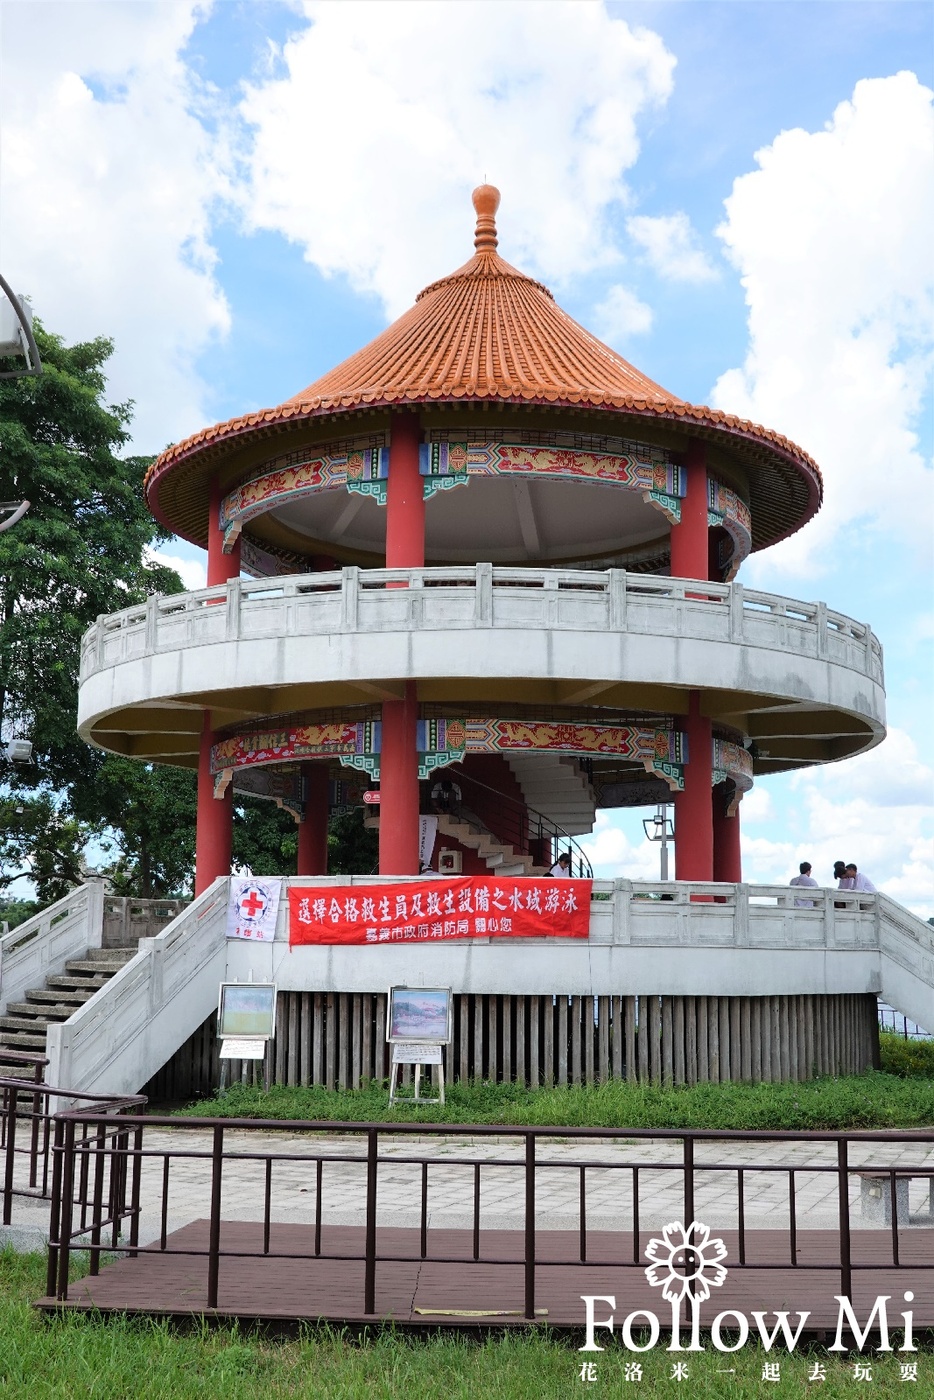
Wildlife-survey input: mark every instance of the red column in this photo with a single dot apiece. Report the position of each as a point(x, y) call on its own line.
point(689, 555)
point(694, 806)
point(405, 503)
point(221, 567)
point(727, 861)
point(313, 829)
point(215, 819)
point(398, 784)
point(405, 549)
point(215, 814)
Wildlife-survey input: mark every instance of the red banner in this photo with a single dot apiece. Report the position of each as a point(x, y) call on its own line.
point(434, 911)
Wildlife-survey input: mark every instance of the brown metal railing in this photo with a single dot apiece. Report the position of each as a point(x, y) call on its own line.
point(27, 1109)
point(79, 1155)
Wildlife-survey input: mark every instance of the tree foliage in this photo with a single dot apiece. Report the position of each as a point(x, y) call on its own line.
point(80, 550)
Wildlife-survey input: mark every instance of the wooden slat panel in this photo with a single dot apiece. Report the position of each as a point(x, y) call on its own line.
point(548, 1011)
point(677, 1036)
point(380, 1048)
point(604, 1070)
point(588, 1034)
point(476, 1068)
point(642, 1038)
point(292, 1062)
point(690, 1039)
point(561, 1049)
point(535, 1019)
point(522, 1045)
point(668, 1064)
point(629, 1031)
point(506, 1035)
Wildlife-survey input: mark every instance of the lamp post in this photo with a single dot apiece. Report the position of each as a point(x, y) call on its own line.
point(16, 337)
point(660, 828)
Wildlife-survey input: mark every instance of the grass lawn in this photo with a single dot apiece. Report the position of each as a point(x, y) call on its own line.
point(877, 1100)
point(125, 1360)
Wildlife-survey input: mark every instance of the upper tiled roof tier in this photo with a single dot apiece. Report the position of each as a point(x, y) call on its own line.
point(487, 333)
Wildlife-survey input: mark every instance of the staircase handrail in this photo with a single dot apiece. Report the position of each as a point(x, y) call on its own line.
point(42, 944)
point(548, 828)
point(115, 1042)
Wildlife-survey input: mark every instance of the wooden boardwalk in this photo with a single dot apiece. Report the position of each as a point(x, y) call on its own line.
point(453, 1291)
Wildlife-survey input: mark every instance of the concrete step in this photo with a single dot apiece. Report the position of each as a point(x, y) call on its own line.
point(70, 982)
point(22, 1040)
point(53, 1011)
point(94, 967)
point(23, 1023)
point(57, 995)
point(113, 957)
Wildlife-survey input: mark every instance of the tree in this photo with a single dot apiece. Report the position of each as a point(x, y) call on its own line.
point(144, 817)
point(79, 551)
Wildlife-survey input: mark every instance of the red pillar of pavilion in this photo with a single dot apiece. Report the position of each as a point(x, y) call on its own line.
point(405, 549)
point(694, 806)
point(727, 861)
point(689, 551)
point(215, 814)
point(313, 828)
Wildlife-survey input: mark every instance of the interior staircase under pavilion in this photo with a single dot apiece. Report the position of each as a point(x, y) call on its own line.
point(24, 1024)
point(558, 786)
point(500, 857)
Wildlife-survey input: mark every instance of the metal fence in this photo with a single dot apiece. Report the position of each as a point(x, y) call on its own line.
point(92, 1150)
point(27, 1109)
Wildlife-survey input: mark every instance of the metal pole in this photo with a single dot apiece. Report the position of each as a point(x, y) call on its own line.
point(664, 851)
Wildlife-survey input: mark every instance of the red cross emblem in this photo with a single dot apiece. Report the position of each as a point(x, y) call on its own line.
point(252, 903)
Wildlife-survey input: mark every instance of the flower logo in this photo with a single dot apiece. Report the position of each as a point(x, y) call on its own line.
point(685, 1259)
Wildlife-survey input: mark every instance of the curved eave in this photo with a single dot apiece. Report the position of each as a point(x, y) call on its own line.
point(186, 465)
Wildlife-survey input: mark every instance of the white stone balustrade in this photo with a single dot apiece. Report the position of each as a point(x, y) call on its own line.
point(539, 624)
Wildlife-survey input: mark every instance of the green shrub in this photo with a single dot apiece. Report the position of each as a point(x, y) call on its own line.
point(910, 1059)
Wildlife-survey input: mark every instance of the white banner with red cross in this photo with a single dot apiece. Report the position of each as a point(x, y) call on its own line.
point(435, 911)
point(253, 908)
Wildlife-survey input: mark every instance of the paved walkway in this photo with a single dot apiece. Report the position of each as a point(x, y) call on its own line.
point(609, 1182)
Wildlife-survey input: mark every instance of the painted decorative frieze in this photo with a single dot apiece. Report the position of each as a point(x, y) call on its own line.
point(727, 509)
point(295, 475)
point(445, 465)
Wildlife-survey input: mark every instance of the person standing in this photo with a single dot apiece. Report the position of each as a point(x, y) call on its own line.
point(855, 881)
point(804, 878)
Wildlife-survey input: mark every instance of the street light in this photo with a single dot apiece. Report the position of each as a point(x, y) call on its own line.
point(660, 828)
point(16, 337)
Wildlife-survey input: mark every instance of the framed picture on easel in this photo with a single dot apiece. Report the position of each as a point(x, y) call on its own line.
point(418, 1025)
point(421, 1014)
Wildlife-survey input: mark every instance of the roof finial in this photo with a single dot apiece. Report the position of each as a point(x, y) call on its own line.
point(486, 202)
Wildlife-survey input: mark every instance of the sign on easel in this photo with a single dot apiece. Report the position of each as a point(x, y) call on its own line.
point(418, 1025)
point(246, 1021)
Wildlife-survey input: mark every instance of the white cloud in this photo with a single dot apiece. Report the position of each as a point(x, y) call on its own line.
point(191, 571)
point(831, 236)
point(875, 810)
point(620, 315)
point(109, 176)
point(614, 856)
point(757, 805)
point(365, 151)
point(670, 247)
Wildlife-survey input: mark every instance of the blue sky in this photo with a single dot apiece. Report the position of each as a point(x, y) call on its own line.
point(737, 196)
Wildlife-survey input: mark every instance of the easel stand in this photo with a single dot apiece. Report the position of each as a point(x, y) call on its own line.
point(244, 1048)
point(417, 1055)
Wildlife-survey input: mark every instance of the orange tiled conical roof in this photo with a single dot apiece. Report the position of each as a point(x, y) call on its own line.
point(485, 331)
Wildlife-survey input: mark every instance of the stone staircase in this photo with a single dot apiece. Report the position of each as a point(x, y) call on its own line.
point(557, 786)
point(500, 857)
point(24, 1023)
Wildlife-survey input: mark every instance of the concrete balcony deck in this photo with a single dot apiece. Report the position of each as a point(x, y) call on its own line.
point(483, 634)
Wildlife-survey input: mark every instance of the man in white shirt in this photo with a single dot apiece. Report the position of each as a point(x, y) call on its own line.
point(804, 878)
point(852, 880)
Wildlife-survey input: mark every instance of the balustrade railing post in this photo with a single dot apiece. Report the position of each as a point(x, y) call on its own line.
point(530, 1226)
point(214, 1245)
point(369, 1280)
